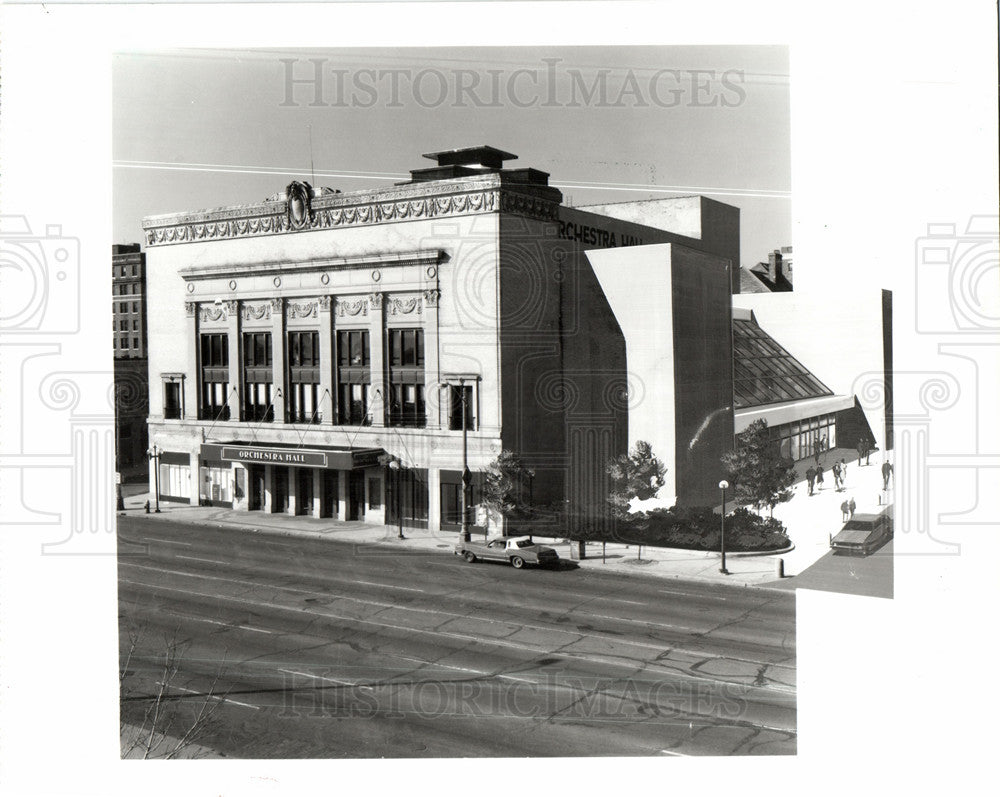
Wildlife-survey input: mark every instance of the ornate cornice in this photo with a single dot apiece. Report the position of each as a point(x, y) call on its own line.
point(359, 208)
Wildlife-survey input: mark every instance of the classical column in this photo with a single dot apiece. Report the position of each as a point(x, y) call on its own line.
point(192, 384)
point(317, 487)
point(432, 374)
point(343, 476)
point(378, 400)
point(327, 405)
point(235, 396)
point(268, 489)
point(278, 358)
point(433, 496)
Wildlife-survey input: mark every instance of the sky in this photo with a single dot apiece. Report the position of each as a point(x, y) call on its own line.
point(194, 129)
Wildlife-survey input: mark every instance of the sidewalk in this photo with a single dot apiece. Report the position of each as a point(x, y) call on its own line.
point(810, 521)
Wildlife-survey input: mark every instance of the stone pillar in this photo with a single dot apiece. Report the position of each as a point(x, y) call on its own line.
point(195, 466)
point(293, 490)
point(268, 489)
point(327, 388)
point(317, 484)
point(433, 492)
point(342, 479)
point(432, 370)
point(278, 358)
point(377, 400)
point(192, 384)
point(235, 396)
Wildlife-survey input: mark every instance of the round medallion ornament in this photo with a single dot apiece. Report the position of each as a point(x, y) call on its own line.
point(190, 287)
point(325, 279)
point(277, 282)
point(299, 210)
point(232, 285)
point(431, 272)
point(376, 275)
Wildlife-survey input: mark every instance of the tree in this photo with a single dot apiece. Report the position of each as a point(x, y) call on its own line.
point(507, 492)
point(638, 474)
point(760, 475)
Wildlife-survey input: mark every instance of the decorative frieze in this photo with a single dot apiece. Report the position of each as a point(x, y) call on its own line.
point(308, 309)
point(256, 312)
point(208, 313)
point(405, 305)
point(352, 307)
point(302, 212)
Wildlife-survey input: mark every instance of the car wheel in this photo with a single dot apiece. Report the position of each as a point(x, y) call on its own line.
point(469, 556)
point(517, 561)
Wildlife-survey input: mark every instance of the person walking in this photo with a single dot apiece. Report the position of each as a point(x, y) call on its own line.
point(811, 479)
point(886, 473)
point(819, 477)
point(852, 506)
point(845, 511)
point(843, 473)
point(836, 476)
point(861, 449)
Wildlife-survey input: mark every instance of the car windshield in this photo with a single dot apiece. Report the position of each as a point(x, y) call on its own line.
point(524, 543)
point(858, 525)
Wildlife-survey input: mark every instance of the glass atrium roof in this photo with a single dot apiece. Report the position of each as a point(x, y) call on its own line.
point(765, 373)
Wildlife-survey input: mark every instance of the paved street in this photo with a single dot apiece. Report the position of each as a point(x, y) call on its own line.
point(318, 648)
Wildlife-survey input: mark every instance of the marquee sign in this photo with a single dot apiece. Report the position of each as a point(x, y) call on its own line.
point(274, 456)
point(319, 457)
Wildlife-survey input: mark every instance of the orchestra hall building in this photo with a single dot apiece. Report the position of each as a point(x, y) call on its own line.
point(319, 353)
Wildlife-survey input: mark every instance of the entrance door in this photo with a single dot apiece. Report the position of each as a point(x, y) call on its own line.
point(255, 495)
point(356, 495)
point(328, 504)
point(279, 486)
point(304, 493)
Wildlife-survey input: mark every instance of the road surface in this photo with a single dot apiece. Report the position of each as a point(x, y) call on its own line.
point(295, 647)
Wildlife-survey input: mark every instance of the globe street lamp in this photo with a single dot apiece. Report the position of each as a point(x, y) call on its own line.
point(723, 485)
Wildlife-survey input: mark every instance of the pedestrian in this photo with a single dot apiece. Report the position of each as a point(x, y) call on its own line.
point(869, 448)
point(816, 452)
point(819, 477)
point(843, 473)
point(811, 479)
point(852, 506)
point(886, 473)
point(836, 476)
point(845, 511)
point(861, 449)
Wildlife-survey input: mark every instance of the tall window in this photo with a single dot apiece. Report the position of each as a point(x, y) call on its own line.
point(257, 377)
point(302, 404)
point(406, 377)
point(171, 400)
point(457, 394)
point(353, 376)
point(214, 377)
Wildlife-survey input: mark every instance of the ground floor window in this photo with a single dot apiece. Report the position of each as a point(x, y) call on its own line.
point(801, 439)
point(175, 481)
point(217, 483)
point(451, 499)
point(407, 495)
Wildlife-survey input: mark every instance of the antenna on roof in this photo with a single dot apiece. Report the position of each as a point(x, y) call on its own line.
point(312, 171)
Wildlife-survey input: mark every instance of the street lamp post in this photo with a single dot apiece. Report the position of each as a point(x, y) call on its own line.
point(392, 463)
point(153, 455)
point(723, 485)
point(466, 476)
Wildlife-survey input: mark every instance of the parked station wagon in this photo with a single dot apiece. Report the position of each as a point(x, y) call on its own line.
point(864, 533)
point(519, 551)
